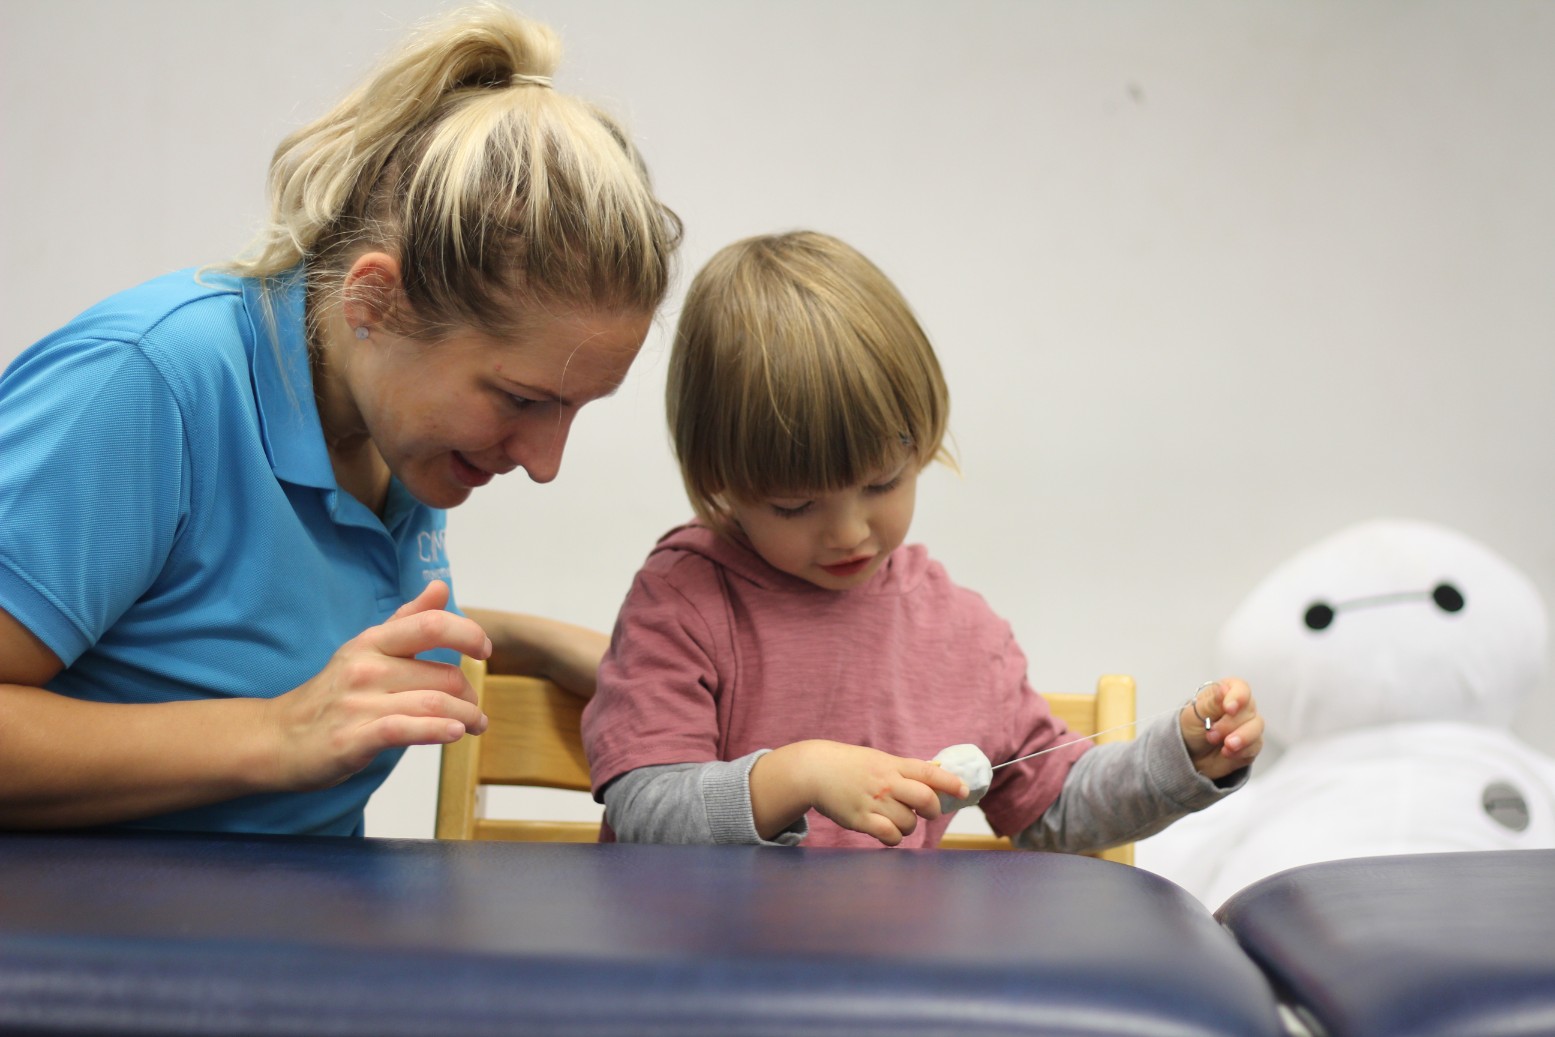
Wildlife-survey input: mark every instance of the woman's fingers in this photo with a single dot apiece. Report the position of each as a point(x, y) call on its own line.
point(435, 704)
point(375, 694)
point(369, 673)
point(411, 634)
point(433, 597)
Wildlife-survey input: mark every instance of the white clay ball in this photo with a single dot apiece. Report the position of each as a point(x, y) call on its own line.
point(967, 762)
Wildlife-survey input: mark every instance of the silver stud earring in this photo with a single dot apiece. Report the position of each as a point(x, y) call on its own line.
point(362, 332)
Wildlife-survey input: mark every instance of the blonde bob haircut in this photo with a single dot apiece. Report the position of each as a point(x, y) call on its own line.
point(797, 368)
point(492, 188)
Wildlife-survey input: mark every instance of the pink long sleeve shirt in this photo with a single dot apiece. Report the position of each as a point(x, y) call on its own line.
point(716, 654)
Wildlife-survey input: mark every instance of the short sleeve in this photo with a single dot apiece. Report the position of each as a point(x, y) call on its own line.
point(94, 488)
point(1022, 792)
point(656, 696)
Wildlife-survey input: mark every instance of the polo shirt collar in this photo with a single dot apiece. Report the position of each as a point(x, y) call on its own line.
point(283, 380)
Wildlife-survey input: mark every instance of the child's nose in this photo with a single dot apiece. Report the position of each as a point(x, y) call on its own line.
point(849, 528)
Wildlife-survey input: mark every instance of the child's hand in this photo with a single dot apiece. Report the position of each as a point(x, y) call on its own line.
point(1235, 736)
point(861, 789)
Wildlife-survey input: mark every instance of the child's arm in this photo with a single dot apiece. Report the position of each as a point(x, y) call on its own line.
point(763, 797)
point(1123, 792)
point(696, 803)
point(1126, 791)
point(862, 789)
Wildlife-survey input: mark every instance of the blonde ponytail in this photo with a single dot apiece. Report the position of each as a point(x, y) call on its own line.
point(490, 186)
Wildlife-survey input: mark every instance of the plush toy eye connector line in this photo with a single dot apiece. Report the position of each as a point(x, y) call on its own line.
point(1321, 614)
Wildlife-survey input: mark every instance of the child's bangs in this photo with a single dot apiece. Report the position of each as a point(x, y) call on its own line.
point(819, 416)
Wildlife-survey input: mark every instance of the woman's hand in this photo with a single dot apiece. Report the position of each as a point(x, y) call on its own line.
point(861, 789)
point(374, 694)
point(1235, 733)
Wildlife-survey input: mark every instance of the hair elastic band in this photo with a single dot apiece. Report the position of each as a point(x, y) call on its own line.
point(520, 79)
point(1194, 702)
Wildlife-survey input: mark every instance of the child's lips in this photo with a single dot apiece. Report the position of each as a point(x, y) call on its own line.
point(849, 567)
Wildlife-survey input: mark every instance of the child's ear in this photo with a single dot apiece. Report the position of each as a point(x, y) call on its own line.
point(371, 289)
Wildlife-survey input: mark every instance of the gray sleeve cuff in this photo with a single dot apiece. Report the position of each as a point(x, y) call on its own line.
point(726, 793)
point(690, 803)
point(1171, 770)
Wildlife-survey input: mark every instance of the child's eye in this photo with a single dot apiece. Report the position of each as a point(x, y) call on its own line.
point(520, 402)
point(791, 510)
point(884, 487)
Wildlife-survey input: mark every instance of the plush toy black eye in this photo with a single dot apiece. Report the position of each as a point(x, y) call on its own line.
point(1447, 597)
point(1318, 616)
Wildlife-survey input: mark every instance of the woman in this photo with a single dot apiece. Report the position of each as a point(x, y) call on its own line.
point(223, 591)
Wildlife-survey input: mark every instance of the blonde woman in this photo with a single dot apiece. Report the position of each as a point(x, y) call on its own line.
point(783, 668)
point(224, 593)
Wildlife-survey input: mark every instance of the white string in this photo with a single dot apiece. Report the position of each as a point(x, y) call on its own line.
point(1086, 738)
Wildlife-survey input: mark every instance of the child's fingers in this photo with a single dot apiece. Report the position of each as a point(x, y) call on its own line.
point(1246, 741)
point(1233, 694)
point(888, 821)
point(919, 798)
point(935, 777)
point(885, 831)
point(899, 814)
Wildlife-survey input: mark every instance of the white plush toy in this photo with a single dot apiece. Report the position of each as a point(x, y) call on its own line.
point(1388, 662)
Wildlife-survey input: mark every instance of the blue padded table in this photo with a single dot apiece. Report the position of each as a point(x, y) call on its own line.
point(179, 935)
point(1420, 945)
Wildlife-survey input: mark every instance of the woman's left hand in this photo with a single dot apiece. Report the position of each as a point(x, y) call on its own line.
point(1235, 732)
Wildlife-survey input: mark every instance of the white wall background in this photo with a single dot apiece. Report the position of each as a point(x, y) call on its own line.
point(1210, 278)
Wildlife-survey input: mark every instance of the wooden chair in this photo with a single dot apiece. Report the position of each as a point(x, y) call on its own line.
point(534, 739)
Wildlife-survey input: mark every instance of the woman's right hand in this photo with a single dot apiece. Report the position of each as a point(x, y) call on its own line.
point(374, 694)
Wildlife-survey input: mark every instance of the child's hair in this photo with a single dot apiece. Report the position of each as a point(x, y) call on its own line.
point(489, 186)
point(797, 367)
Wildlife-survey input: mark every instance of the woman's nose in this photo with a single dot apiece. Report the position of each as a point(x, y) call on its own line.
point(536, 446)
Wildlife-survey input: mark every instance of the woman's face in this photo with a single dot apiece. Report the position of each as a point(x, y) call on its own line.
point(450, 416)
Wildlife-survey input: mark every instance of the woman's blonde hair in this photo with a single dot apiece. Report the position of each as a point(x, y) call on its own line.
point(490, 187)
point(797, 367)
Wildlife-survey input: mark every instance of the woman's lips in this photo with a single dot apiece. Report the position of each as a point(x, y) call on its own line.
point(468, 474)
point(847, 568)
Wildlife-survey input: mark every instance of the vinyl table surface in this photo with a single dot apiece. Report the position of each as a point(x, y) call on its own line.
point(246, 935)
point(1416, 945)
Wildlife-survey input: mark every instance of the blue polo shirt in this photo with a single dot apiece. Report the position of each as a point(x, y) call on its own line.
point(170, 525)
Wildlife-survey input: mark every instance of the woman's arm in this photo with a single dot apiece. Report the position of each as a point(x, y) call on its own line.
point(69, 762)
point(537, 647)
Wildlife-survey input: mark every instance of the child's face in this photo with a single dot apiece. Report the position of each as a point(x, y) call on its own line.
point(834, 540)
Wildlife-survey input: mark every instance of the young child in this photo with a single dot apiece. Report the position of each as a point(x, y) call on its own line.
point(782, 669)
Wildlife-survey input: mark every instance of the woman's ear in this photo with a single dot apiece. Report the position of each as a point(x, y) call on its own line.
point(371, 290)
